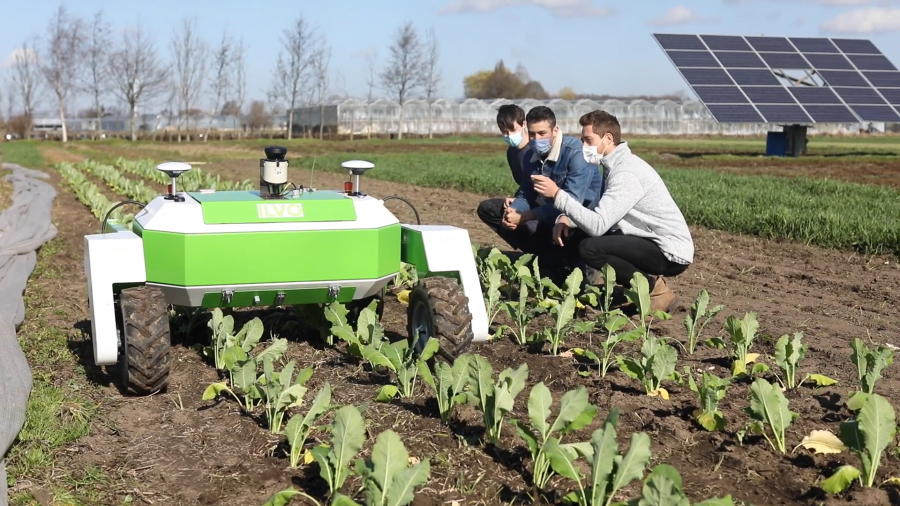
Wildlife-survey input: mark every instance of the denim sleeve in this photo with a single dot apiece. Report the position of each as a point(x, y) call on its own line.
point(525, 194)
point(579, 175)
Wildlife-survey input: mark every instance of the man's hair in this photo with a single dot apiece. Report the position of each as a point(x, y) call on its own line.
point(602, 123)
point(508, 115)
point(541, 113)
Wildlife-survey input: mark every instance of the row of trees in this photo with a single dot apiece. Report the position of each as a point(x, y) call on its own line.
point(80, 58)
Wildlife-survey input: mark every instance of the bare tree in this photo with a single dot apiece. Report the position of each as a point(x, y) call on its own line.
point(65, 50)
point(26, 80)
point(96, 75)
point(190, 58)
point(240, 76)
point(136, 72)
point(292, 71)
point(2, 128)
point(221, 85)
point(371, 83)
point(320, 60)
point(431, 76)
point(403, 73)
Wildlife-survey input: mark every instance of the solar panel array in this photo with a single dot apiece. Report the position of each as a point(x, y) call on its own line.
point(735, 78)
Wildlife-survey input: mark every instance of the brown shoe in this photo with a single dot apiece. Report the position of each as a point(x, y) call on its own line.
point(661, 298)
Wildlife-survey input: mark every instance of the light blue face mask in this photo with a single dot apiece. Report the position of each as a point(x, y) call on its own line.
point(542, 146)
point(514, 139)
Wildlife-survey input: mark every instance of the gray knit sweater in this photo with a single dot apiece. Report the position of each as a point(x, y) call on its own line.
point(636, 201)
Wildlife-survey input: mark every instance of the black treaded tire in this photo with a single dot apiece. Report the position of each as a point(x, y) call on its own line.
point(440, 307)
point(145, 353)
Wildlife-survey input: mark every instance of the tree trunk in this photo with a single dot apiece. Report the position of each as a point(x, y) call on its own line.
point(62, 116)
point(430, 121)
point(99, 115)
point(133, 126)
point(321, 120)
point(400, 124)
point(290, 131)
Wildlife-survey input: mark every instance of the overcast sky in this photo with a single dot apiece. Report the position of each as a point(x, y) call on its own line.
point(593, 46)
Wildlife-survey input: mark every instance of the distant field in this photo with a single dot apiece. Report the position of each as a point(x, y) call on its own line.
point(724, 184)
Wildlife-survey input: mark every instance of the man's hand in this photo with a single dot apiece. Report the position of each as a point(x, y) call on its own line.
point(508, 202)
point(560, 230)
point(511, 218)
point(545, 186)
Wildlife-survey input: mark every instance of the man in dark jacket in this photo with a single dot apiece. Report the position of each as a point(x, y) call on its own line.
point(527, 222)
point(511, 122)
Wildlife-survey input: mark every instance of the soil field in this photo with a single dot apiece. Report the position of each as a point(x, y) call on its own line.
point(174, 448)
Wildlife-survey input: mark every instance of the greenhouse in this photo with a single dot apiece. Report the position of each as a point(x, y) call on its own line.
point(353, 116)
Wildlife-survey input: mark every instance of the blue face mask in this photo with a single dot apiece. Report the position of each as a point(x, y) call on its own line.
point(542, 146)
point(514, 138)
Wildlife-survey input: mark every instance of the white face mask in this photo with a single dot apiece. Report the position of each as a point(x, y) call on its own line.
point(593, 154)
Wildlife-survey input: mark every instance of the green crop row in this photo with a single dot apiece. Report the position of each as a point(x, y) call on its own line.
point(89, 195)
point(191, 180)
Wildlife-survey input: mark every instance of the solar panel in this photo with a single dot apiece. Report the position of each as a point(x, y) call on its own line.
point(813, 95)
point(828, 61)
point(830, 114)
point(768, 95)
point(814, 45)
point(706, 76)
point(858, 46)
point(843, 78)
point(859, 96)
point(740, 60)
point(784, 114)
point(693, 59)
point(734, 113)
point(678, 41)
point(891, 95)
point(720, 95)
point(883, 79)
point(871, 62)
point(875, 113)
point(726, 43)
point(787, 80)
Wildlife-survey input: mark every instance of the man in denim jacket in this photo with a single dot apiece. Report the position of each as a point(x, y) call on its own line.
point(528, 221)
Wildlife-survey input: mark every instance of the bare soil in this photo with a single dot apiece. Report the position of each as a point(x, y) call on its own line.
point(174, 448)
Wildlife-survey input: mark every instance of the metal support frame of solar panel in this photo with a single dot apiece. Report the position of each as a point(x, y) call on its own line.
point(734, 77)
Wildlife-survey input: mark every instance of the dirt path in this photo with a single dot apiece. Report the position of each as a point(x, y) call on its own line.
point(174, 448)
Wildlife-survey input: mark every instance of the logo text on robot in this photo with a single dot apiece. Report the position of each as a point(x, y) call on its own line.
point(279, 210)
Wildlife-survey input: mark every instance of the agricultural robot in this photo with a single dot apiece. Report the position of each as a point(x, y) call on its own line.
point(281, 245)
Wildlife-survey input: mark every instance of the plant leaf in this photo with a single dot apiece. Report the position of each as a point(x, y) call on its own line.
point(539, 402)
point(282, 498)
point(822, 441)
point(840, 480)
point(821, 380)
point(349, 434)
point(213, 390)
point(878, 426)
point(274, 351)
point(632, 465)
point(387, 393)
point(389, 457)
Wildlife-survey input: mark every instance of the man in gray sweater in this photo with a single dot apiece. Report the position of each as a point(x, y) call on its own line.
point(636, 226)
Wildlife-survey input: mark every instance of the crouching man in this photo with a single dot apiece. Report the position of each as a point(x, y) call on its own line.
point(636, 226)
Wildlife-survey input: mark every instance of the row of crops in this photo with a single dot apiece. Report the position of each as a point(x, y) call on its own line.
point(535, 312)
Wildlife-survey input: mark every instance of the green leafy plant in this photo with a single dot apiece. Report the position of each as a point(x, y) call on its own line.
point(869, 364)
point(407, 276)
point(280, 392)
point(388, 479)
point(610, 472)
point(768, 406)
point(788, 354)
point(663, 487)
point(742, 333)
point(575, 412)
point(563, 312)
point(699, 311)
point(867, 437)
point(494, 399)
point(448, 383)
point(655, 365)
point(406, 363)
point(521, 312)
point(298, 428)
point(347, 437)
point(712, 390)
point(613, 322)
point(368, 329)
point(639, 296)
